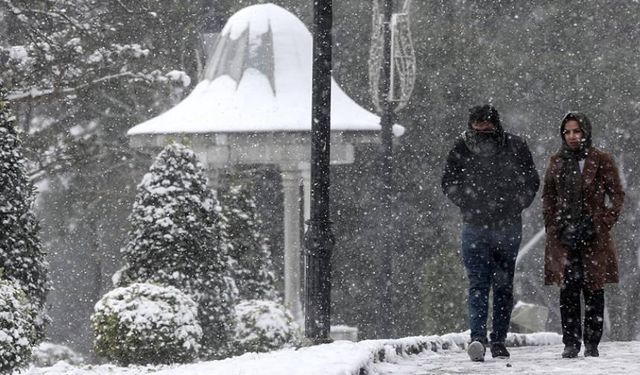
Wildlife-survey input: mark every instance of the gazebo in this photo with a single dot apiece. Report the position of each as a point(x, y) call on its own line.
point(253, 106)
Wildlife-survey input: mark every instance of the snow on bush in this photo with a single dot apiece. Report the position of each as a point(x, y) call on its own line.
point(48, 354)
point(175, 240)
point(146, 324)
point(21, 257)
point(17, 328)
point(262, 326)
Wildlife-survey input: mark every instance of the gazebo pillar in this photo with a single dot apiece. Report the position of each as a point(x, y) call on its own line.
point(292, 236)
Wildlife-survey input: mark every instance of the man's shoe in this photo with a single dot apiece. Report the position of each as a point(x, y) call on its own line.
point(570, 351)
point(498, 350)
point(476, 351)
point(591, 350)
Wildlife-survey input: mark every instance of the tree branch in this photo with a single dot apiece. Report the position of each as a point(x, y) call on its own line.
point(25, 96)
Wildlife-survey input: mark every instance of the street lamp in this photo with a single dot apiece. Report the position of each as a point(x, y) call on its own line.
point(386, 319)
point(319, 240)
point(392, 76)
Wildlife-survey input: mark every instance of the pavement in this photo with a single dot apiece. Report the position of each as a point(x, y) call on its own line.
point(615, 358)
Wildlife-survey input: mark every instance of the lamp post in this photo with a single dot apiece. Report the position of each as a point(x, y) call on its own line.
point(392, 71)
point(387, 317)
point(319, 239)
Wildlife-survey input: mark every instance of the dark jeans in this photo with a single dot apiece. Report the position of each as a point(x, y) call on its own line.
point(489, 256)
point(570, 310)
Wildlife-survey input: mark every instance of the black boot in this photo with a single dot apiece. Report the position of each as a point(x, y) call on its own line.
point(571, 351)
point(591, 350)
point(499, 350)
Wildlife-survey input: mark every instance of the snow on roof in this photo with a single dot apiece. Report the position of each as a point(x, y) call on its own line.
point(258, 80)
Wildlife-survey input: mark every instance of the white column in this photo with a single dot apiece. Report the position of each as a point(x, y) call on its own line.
point(305, 171)
point(213, 176)
point(292, 245)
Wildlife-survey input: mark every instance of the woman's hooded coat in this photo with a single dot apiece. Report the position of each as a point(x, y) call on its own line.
point(602, 197)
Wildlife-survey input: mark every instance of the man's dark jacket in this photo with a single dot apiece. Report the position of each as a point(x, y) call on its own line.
point(491, 190)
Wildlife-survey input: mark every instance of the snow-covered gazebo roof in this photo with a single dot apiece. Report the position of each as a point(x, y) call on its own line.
point(258, 79)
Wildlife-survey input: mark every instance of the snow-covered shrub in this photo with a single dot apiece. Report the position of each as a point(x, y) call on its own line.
point(21, 256)
point(262, 326)
point(146, 324)
point(248, 246)
point(48, 354)
point(176, 240)
point(17, 328)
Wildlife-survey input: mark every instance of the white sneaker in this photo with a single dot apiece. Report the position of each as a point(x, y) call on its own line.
point(476, 351)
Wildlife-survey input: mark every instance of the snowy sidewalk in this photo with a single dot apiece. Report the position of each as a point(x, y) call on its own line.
point(338, 358)
point(615, 358)
point(536, 353)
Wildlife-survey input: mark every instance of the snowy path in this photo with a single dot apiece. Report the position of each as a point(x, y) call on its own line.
point(615, 358)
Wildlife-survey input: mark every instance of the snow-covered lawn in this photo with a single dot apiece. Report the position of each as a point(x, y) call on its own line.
point(341, 357)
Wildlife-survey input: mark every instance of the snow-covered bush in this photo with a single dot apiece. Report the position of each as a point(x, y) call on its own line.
point(17, 328)
point(146, 324)
point(176, 240)
point(21, 256)
point(48, 354)
point(262, 326)
point(248, 246)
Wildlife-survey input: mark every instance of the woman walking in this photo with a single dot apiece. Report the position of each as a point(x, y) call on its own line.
point(582, 199)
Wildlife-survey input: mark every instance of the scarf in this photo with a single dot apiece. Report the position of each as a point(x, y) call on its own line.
point(483, 143)
point(570, 189)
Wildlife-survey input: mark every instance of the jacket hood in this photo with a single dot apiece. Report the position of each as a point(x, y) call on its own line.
point(583, 122)
point(488, 113)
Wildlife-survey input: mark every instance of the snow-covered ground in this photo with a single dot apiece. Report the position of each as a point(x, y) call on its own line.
point(540, 354)
point(615, 358)
point(341, 357)
point(337, 358)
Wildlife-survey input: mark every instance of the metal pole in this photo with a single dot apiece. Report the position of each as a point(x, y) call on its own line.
point(301, 265)
point(319, 239)
point(387, 320)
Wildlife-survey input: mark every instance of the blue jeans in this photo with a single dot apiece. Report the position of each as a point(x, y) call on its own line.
point(489, 256)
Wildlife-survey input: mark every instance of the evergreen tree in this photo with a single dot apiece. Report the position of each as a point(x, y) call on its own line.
point(21, 256)
point(248, 246)
point(176, 240)
point(80, 73)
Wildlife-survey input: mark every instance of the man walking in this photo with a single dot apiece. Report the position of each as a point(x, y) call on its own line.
point(491, 177)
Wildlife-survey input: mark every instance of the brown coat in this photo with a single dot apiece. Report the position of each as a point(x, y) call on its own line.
point(599, 179)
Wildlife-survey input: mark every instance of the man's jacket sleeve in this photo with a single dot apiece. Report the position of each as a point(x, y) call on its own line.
point(529, 174)
point(452, 179)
